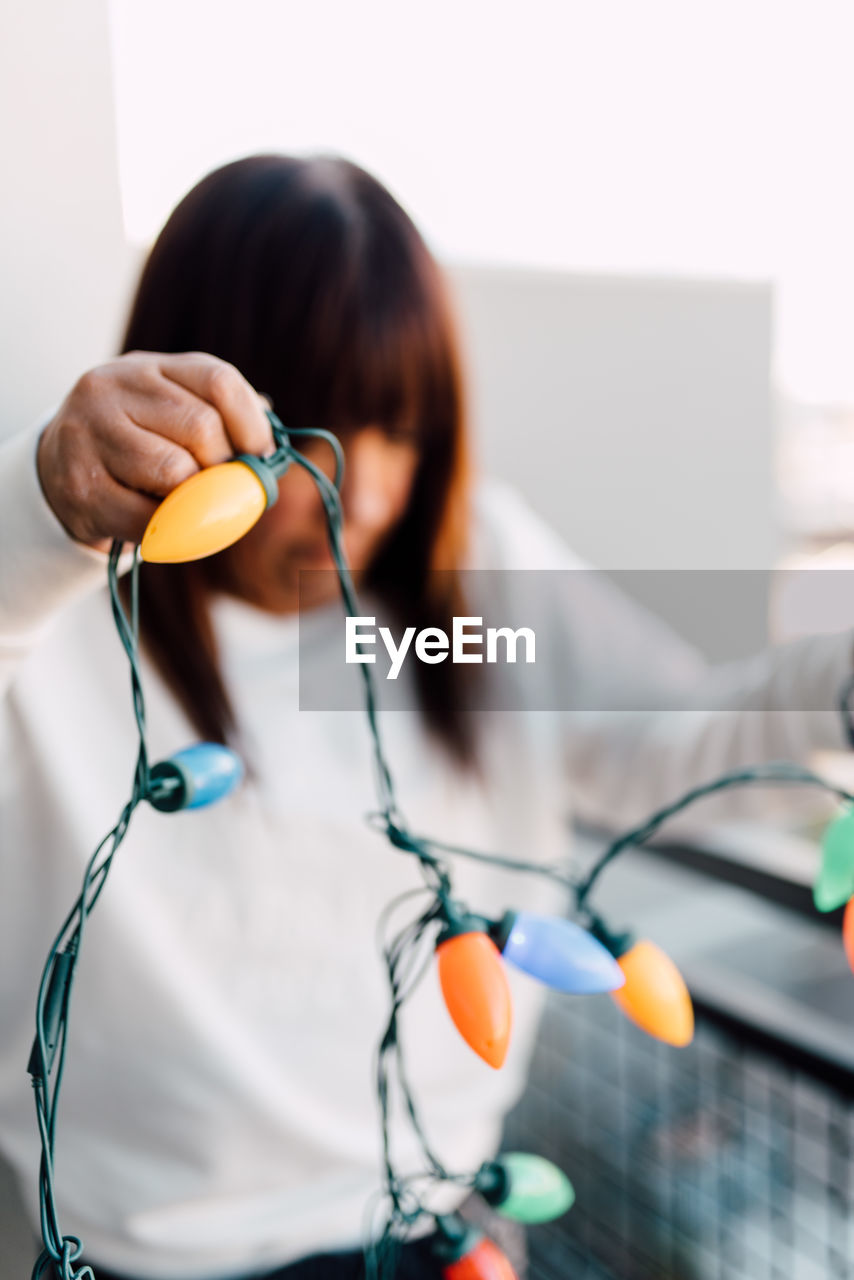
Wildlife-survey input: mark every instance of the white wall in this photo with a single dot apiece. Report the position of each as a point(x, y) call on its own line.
point(64, 262)
point(635, 412)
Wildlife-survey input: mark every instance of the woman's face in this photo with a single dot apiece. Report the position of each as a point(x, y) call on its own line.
point(264, 566)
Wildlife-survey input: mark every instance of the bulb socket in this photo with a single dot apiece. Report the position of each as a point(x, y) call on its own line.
point(457, 920)
point(170, 787)
point(500, 930)
point(617, 943)
point(265, 473)
point(455, 1238)
point(493, 1183)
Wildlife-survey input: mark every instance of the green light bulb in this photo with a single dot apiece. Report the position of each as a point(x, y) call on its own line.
point(525, 1187)
point(835, 882)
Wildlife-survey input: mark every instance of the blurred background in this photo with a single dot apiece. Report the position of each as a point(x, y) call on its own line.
point(646, 211)
point(647, 215)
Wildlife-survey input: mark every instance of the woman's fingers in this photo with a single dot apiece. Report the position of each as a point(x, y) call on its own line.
point(134, 429)
point(150, 463)
point(172, 418)
point(92, 504)
point(123, 513)
point(220, 385)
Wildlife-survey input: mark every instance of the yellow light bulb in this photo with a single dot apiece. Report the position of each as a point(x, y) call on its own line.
point(655, 996)
point(210, 511)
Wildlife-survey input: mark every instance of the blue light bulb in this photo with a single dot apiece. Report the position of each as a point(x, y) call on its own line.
point(194, 777)
point(557, 952)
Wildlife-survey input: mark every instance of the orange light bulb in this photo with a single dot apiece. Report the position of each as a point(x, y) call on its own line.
point(484, 1262)
point(210, 511)
point(848, 932)
point(655, 997)
point(477, 993)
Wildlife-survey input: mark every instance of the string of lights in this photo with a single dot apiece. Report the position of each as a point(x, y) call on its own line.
point(583, 955)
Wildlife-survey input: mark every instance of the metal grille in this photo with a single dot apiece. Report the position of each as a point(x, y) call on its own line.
point(715, 1162)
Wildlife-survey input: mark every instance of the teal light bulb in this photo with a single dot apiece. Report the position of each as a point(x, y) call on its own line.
point(525, 1187)
point(834, 884)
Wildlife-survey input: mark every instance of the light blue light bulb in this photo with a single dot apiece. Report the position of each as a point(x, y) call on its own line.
point(194, 777)
point(558, 952)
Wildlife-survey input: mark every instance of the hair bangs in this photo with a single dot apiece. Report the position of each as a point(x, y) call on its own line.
point(365, 336)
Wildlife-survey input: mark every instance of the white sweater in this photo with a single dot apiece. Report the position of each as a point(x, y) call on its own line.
point(219, 1114)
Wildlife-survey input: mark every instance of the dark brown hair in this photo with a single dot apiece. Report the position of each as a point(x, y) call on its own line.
point(311, 279)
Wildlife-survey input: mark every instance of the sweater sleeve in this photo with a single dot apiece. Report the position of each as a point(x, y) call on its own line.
point(42, 569)
point(779, 705)
point(647, 718)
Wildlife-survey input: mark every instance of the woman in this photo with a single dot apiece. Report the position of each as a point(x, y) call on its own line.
point(219, 1114)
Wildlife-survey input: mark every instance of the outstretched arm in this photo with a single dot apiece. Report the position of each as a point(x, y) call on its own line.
point(127, 434)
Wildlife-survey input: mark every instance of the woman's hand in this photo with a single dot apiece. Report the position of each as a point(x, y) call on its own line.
point(133, 429)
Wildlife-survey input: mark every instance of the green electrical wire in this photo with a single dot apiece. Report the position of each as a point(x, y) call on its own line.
point(54, 997)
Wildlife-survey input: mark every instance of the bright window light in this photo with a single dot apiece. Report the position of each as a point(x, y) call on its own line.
point(611, 136)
